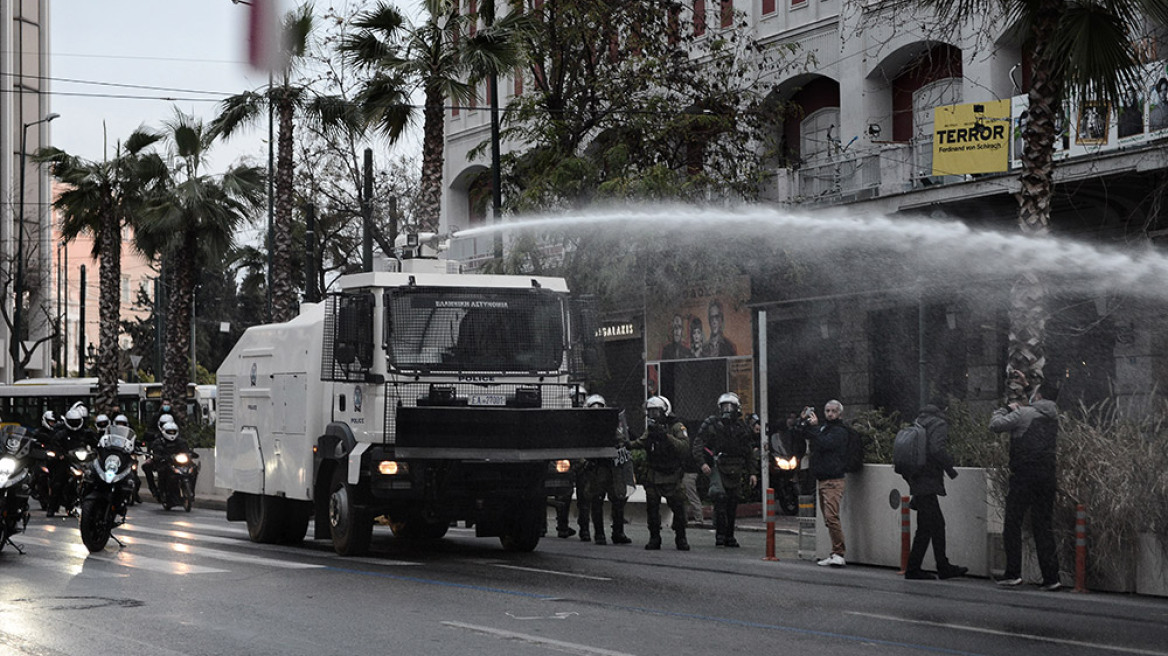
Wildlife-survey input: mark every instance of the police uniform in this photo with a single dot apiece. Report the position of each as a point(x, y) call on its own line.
point(665, 446)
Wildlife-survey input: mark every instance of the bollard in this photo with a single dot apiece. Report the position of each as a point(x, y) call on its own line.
point(1080, 548)
point(807, 527)
point(770, 525)
point(905, 534)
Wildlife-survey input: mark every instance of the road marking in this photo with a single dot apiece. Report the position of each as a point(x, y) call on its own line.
point(1013, 634)
point(217, 554)
point(127, 559)
point(552, 571)
point(558, 645)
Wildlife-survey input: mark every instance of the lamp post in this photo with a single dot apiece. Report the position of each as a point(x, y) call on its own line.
point(18, 310)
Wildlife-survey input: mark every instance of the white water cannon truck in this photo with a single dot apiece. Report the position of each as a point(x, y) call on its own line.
point(419, 396)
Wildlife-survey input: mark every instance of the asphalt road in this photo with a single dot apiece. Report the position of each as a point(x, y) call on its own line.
point(193, 584)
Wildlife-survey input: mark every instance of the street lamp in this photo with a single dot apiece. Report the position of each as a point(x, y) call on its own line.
point(17, 314)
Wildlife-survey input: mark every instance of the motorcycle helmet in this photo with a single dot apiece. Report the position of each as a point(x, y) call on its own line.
point(729, 405)
point(49, 419)
point(81, 409)
point(594, 401)
point(668, 406)
point(656, 408)
point(73, 420)
point(164, 420)
point(121, 420)
point(170, 431)
point(102, 423)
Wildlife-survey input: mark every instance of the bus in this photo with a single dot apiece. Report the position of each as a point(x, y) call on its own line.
point(24, 401)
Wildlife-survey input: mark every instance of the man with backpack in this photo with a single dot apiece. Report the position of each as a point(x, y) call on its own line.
point(1033, 429)
point(926, 483)
point(829, 463)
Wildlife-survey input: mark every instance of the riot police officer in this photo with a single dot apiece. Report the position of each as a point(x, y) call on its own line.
point(665, 444)
point(725, 446)
point(603, 477)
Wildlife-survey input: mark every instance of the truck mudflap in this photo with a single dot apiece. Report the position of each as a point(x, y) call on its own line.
point(505, 434)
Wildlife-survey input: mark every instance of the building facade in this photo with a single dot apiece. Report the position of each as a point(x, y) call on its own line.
point(862, 130)
point(25, 112)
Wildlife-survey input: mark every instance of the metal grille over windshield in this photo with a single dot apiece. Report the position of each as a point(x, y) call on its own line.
point(459, 330)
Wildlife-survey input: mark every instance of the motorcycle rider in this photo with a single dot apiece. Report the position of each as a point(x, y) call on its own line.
point(72, 434)
point(726, 443)
point(163, 447)
point(665, 444)
point(42, 442)
point(602, 477)
point(124, 421)
point(101, 423)
point(150, 439)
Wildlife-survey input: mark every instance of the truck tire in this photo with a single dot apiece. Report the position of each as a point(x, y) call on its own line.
point(352, 528)
point(524, 533)
point(266, 516)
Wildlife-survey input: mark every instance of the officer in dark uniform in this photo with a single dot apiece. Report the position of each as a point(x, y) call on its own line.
point(604, 477)
point(665, 444)
point(726, 443)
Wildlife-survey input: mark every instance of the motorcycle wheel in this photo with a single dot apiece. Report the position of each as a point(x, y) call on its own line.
point(95, 525)
point(788, 500)
point(188, 495)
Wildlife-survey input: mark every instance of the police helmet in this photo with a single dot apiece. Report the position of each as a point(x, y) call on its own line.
point(657, 408)
point(81, 409)
point(668, 405)
point(121, 420)
point(594, 401)
point(729, 405)
point(164, 420)
point(102, 422)
point(73, 420)
point(49, 419)
point(170, 431)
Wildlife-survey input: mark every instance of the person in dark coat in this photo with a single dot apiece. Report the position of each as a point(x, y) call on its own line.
point(926, 486)
point(666, 445)
point(829, 449)
point(1033, 429)
point(726, 443)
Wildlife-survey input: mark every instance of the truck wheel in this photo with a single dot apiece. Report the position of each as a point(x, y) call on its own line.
point(265, 518)
point(416, 528)
point(523, 535)
point(351, 527)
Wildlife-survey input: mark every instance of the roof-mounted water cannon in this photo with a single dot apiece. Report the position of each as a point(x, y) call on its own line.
point(419, 252)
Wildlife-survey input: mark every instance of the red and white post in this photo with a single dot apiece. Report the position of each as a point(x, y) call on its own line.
point(905, 534)
point(1080, 548)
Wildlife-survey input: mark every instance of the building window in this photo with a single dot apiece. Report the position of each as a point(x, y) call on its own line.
point(126, 300)
point(768, 7)
point(816, 133)
point(946, 91)
point(699, 17)
point(727, 13)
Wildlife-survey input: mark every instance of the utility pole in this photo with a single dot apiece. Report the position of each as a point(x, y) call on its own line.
point(367, 215)
point(81, 327)
point(310, 288)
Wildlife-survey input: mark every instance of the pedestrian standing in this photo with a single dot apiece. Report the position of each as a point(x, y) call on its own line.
point(829, 447)
point(926, 485)
point(665, 443)
point(1033, 428)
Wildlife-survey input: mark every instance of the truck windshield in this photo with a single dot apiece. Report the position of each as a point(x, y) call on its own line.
point(496, 330)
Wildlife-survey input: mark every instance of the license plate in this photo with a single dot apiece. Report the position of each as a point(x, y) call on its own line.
point(488, 399)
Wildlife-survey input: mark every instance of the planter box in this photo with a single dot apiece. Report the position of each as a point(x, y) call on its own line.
point(871, 523)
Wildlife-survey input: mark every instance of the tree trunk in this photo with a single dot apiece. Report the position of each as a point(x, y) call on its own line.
point(430, 193)
point(109, 312)
point(283, 293)
point(1028, 311)
point(178, 329)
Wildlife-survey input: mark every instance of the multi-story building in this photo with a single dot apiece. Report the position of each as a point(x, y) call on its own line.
point(24, 127)
point(861, 133)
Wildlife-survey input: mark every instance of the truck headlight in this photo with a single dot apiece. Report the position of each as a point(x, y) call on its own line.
point(392, 468)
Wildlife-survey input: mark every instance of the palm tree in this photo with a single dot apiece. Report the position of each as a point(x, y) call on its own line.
point(192, 223)
point(101, 198)
point(287, 97)
point(1084, 50)
point(440, 58)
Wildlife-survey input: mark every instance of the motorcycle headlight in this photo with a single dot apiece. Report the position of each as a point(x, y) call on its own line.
point(787, 464)
point(80, 454)
point(7, 466)
point(182, 459)
point(50, 454)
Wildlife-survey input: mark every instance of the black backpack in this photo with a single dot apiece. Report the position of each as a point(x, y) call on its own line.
point(910, 450)
point(854, 456)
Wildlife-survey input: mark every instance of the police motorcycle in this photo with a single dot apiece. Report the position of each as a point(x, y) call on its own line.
point(15, 478)
point(108, 488)
point(41, 455)
point(787, 470)
point(77, 459)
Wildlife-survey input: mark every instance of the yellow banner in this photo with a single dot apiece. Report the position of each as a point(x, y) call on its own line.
point(971, 138)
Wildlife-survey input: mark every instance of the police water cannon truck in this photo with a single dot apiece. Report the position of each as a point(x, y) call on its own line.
point(417, 396)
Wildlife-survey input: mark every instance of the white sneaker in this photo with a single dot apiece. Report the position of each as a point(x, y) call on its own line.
point(834, 560)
